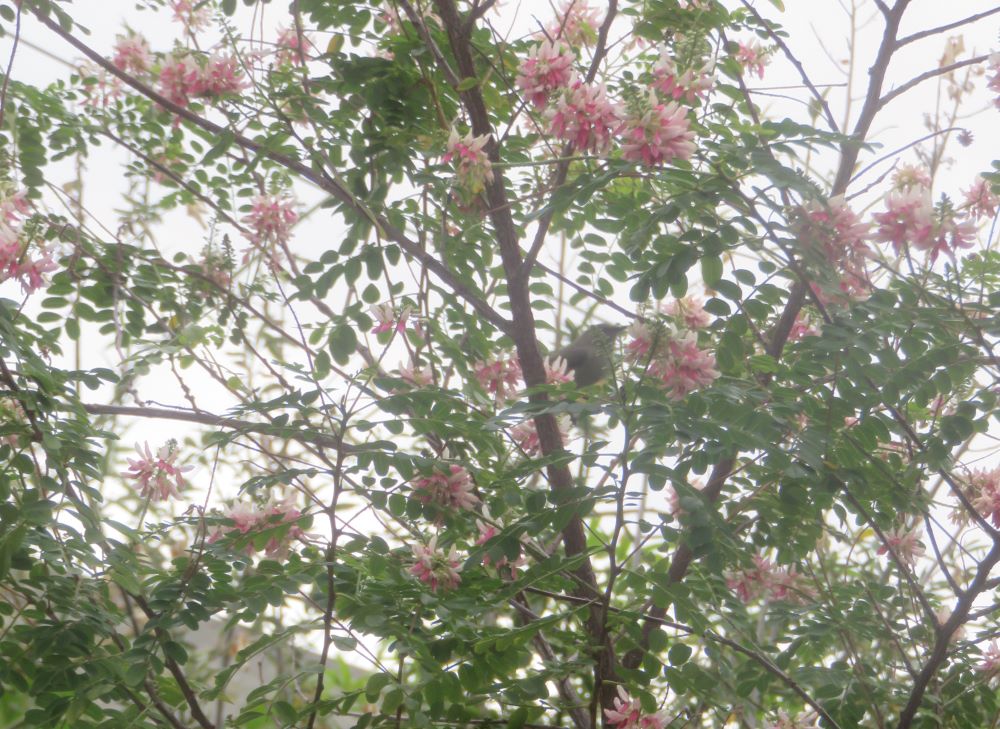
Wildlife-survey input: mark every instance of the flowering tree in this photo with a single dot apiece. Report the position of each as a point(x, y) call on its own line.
point(780, 508)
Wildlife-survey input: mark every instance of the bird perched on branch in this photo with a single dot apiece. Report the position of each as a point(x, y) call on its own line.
point(588, 356)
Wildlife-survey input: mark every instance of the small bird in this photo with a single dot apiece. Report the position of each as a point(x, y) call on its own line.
point(588, 356)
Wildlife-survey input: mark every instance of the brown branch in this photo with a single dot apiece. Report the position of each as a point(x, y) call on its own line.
point(944, 633)
point(326, 181)
point(218, 421)
point(526, 343)
point(929, 74)
point(943, 28)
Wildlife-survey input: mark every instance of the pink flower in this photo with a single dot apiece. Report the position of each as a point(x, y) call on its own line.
point(835, 231)
point(684, 367)
point(628, 714)
point(177, 79)
point(157, 477)
point(990, 665)
point(500, 378)
point(472, 164)
point(525, 436)
point(416, 375)
point(908, 218)
point(802, 327)
point(14, 207)
point(639, 346)
point(187, 12)
point(911, 221)
point(221, 75)
point(486, 533)
point(270, 219)
point(985, 493)
point(249, 518)
point(583, 116)
point(689, 312)
point(557, 372)
point(576, 23)
point(434, 568)
point(100, 88)
point(980, 199)
point(765, 580)
point(906, 544)
point(908, 177)
point(30, 271)
point(449, 490)
point(132, 54)
point(993, 84)
point(658, 134)
point(547, 68)
point(753, 57)
point(287, 52)
point(689, 85)
point(388, 320)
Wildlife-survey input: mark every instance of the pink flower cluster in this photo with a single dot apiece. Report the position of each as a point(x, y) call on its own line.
point(450, 488)
point(583, 115)
point(500, 378)
point(388, 320)
point(157, 476)
point(994, 81)
point(690, 85)
point(547, 68)
point(906, 544)
point(688, 312)
point(576, 23)
point(980, 200)
point(434, 568)
point(188, 13)
point(990, 665)
point(557, 371)
point(657, 133)
point(753, 57)
point(673, 356)
point(984, 495)
point(100, 88)
point(287, 52)
point(416, 375)
point(270, 219)
point(182, 79)
point(18, 257)
point(249, 518)
point(629, 714)
point(910, 220)
point(132, 54)
point(486, 533)
point(838, 235)
point(525, 436)
point(472, 164)
point(766, 581)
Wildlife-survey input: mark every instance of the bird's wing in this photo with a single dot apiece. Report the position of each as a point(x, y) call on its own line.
point(574, 356)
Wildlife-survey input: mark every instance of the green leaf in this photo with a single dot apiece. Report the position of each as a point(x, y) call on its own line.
point(711, 270)
point(467, 83)
point(373, 687)
point(679, 654)
point(343, 343)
